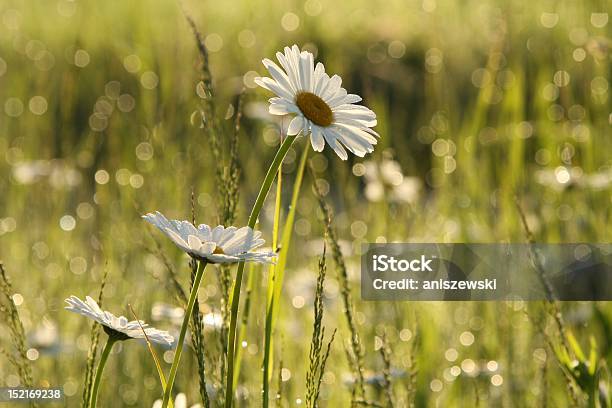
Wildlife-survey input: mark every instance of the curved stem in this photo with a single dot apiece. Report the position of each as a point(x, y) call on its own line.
point(101, 364)
point(181, 340)
point(235, 300)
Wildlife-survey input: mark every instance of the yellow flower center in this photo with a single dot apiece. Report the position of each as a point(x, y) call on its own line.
point(314, 108)
point(218, 250)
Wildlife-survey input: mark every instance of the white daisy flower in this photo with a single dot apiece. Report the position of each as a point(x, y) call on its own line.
point(322, 107)
point(213, 245)
point(119, 328)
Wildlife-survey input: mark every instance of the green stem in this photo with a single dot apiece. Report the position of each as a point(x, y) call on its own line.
point(179, 346)
point(235, 300)
point(276, 280)
point(271, 276)
point(101, 364)
point(248, 301)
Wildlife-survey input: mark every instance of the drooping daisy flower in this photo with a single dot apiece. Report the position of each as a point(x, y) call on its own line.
point(119, 328)
point(322, 107)
point(213, 245)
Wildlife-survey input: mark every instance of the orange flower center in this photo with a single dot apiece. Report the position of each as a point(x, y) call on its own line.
point(218, 250)
point(314, 109)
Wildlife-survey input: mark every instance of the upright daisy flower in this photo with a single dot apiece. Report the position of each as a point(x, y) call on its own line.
point(322, 107)
point(213, 245)
point(118, 329)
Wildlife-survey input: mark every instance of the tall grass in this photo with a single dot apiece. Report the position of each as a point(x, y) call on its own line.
point(355, 353)
point(385, 353)
point(319, 352)
point(10, 318)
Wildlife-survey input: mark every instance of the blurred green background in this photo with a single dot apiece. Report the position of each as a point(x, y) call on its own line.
point(478, 102)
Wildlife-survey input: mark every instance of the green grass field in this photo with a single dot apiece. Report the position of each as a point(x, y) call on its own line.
point(479, 104)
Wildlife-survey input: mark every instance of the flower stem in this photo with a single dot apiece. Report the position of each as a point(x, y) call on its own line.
point(101, 364)
point(181, 340)
point(275, 280)
point(235, 300)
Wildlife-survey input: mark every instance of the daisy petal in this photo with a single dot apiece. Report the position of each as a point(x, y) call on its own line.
point(296, 126)
point(333, 88)
point(331, 138)
point(278, 75)
point(273, 86)
point(357, 132)
point(281, 108)
point(316, 139)
point(289, 69)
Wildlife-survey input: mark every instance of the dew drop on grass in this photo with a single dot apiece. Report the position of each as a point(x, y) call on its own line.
point(67, 223)
point(32, 354)
point(246, 38)
point(78, 265)
point(405, 334)
point(468, 366)
point(599, 20)
point(396, 49)
point(451, 354)
point(126, 103)
point(549, 20)
point(359, 169)
point(102, 177)
point(136, 180)
point(290, 21)
point(149, 80)
point(436, 385)
point(70, 387)
point(249, 79)
point(455, 370)
point(132, 63)
point(285, 374)
point(298, 302)
point(38, 105)
point(13, 107)
point(17, 299)
point(213, 42)
point(169, 356)
point(497, 380)
point(81, 58)
point(112, 89)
